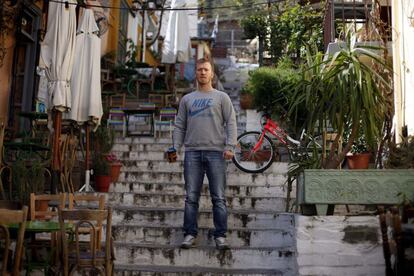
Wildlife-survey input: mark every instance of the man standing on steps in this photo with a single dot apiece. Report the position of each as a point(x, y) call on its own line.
point(206, 125)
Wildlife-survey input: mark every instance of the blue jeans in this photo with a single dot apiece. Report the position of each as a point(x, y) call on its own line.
point(196, 165)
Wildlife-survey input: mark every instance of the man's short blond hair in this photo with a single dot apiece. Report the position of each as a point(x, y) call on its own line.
point(205, 60)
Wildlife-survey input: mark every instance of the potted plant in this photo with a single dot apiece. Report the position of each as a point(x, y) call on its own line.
point(359, 156)
point(115, 166)
point(401, 155)
point(246, 99)
point(101, 169)
point(104, 138)
point(340, 91)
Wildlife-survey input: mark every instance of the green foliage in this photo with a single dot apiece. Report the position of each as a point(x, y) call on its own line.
point(255, 26)
point(401, 155)
point(359, 145)
point(344, 92)
point(296, 27)
point(104, 139)
point(28, 177)
point(131, 54)
point(266, 84)
point(101, 165)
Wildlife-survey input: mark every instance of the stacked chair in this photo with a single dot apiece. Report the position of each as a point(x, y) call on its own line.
point(9, 214)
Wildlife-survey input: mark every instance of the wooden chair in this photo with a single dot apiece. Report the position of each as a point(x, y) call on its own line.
point(44, 207)
point(157, 99)
point(328, 140)
point(6, 217)
point(167, 119)
point(118, 100)
point(79, 201)
point(77, 257)
point(11, 205)
point(116, 117)
point(392, 237)
point(51, 210)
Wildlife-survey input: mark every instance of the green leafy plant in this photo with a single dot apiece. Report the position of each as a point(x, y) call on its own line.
point(104, 139)
point(345, 92)
point(28, 176)
point(359, 146)
point(255, 25)
point(267, 84)
point(401, 155)
point(101, 165)
point(293, 29)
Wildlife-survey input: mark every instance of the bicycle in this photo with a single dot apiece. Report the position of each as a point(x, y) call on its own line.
point(255, 151)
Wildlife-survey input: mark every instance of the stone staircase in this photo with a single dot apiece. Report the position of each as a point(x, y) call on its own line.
point(148, 204)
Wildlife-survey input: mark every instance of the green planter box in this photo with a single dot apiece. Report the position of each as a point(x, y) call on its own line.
point(320, 190)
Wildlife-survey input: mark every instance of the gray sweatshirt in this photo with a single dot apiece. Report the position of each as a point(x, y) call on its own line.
point(206, 121)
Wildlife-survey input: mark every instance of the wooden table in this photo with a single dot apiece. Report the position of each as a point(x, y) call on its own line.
point(40, 226)
point(144, 112)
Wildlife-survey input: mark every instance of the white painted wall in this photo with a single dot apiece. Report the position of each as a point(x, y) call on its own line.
point(339, 245)
point(403, 39)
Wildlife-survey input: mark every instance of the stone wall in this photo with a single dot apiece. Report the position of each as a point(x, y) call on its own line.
point(339, 245)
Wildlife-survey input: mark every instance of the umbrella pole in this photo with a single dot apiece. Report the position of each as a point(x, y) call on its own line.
point(87, 186)
point(57, 125)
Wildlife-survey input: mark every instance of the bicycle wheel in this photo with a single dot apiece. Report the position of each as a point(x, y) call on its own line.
point(251, 161)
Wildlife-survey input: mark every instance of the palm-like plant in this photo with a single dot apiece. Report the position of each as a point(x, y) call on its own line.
point(343, 92)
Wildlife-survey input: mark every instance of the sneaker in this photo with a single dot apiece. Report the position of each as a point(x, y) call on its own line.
point(221, 243)
point(189, 241)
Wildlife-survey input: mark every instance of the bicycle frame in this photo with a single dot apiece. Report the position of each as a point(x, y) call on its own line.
point(273, 128)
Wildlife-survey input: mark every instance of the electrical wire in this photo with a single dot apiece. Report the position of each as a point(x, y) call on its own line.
point(169, 8)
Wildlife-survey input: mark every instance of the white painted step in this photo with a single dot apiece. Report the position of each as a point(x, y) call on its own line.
point(174, 218)
point(157, 270)
point(168, 235)
point(178, 177)
point(163, 165)
point(205, 256)
point(171, 188)
point(177, 201)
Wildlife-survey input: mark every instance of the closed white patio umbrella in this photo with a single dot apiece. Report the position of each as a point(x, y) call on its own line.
point(57, 52)
point(86, 80)
point(177, 43)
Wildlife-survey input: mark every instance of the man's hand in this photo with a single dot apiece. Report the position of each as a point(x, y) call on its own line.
point(171, 155)
point(228, 154)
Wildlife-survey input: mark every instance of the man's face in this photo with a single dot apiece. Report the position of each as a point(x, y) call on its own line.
point(204, 73)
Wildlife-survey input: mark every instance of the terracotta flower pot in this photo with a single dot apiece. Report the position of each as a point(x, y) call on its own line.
point(246, 101)
point(358, 161)
point(102, 183)
point(115, 171)
point(41, 206)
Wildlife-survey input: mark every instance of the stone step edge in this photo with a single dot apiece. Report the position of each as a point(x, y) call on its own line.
point(283, 249)
point(202, 194)
point(285, 229)
point(137, 169)
point(230, 210)
point(194, 269)
point(176, 209)
point(128, 182)
point(204, 228)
